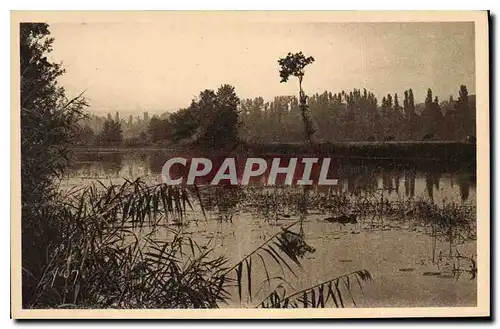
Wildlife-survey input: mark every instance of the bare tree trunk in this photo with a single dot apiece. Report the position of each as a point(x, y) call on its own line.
point(306, 119)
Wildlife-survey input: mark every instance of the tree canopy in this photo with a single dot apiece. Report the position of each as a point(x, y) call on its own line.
point(49, 124)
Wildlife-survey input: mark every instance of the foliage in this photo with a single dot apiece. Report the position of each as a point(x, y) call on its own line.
point(49, 125)
point(159, 129)
point(338, 117)
point(184, 123)
point(325, 294)
point(294, 65)
point(87, 136)
point(105, 254)
point(355, 115)
point(212, 120)
point(219, 117)
point(111, 133)
point(48, 118)
point(98, 246)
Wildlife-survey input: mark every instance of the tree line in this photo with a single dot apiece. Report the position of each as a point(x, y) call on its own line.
point(219, 117)
point(67, 236)
point(357, 116)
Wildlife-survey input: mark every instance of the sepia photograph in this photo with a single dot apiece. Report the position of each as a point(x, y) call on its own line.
point(281, 164)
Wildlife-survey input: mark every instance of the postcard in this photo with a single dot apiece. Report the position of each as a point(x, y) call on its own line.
point(232, 164)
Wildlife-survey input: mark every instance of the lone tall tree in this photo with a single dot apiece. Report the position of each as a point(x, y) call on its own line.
point(294, 65)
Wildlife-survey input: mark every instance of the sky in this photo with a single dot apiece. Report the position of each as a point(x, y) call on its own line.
point(162, 65)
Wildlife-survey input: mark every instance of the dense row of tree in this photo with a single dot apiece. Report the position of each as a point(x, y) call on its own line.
point(109, 130)
point(356, 116)
point(212, 120)
point(219, 117)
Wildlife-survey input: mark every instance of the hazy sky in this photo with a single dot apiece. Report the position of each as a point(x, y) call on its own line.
point(162, 66)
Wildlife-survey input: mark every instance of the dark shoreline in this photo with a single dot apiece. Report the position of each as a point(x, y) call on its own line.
point(418, 151)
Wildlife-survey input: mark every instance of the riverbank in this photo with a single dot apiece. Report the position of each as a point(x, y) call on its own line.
point(431, 150)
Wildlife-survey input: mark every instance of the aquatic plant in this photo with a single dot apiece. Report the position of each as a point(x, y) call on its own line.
point(108, 255)
point(104, 257)
point(324, 294)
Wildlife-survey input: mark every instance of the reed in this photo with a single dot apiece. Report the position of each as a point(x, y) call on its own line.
point(105, 253)
point(452, 220)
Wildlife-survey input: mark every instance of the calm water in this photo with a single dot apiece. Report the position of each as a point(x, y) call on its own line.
point(437, 180)
point(397, 256)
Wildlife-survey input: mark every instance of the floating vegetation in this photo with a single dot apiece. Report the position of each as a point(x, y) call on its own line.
point(408, 269)
point(294, 245)
point(109, 255)
point(431, 273)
